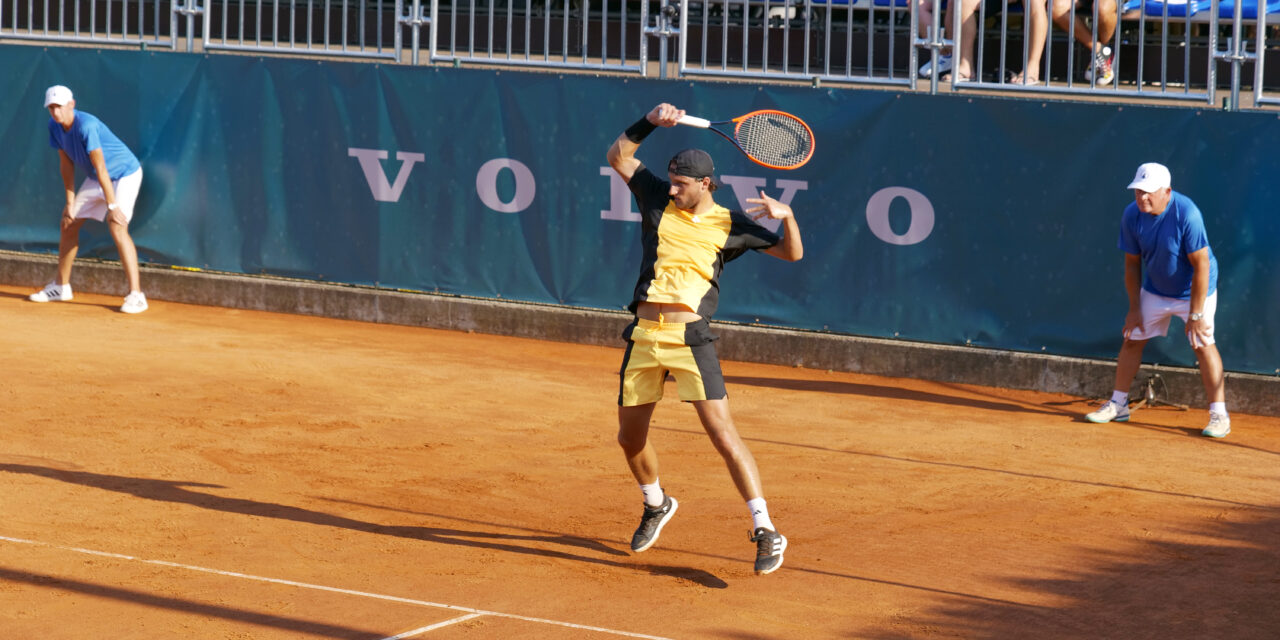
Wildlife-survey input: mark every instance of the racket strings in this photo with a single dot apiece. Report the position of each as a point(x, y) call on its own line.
point(775, 139)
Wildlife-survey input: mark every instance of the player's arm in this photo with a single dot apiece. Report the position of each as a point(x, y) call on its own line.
point(790, 248)
point(108, 190)
point(622, 155)
point(68, 170)
point(1133, 288)
point(1200, 266)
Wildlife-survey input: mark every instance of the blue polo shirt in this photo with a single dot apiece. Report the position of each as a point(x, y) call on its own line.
point(1163, 243)
point(87, 133)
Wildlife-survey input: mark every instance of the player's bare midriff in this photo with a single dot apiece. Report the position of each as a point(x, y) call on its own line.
point(669, 312)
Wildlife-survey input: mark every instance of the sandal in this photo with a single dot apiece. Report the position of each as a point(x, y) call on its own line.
point(1017, 78)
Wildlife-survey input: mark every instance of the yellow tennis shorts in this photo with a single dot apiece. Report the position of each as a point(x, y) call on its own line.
point(686, 350)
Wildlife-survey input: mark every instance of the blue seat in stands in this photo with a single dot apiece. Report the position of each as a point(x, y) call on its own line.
point(1177, 8)
point(1248, 9)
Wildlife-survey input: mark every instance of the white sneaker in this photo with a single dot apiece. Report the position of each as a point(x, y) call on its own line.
point(1219, 425)
point(52, 292)
point(1109, 412)
point(944, 65)
point(1103, 66)
point(135, 302)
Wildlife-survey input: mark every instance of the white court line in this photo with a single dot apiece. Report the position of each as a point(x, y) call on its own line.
point(433, 627)
point(319, 587)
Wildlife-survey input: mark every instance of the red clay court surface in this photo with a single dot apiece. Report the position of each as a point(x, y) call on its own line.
point(199, 472)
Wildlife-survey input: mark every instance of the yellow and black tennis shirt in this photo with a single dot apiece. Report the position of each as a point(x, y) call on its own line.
point(683, 254)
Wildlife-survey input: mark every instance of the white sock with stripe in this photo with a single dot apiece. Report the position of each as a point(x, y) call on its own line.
point(759, 514)
point(653, 495)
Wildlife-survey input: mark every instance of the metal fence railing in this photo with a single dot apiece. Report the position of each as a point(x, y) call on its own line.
point(348, 28)
point(123, 22)
point(582, 34)
point(1188, 50)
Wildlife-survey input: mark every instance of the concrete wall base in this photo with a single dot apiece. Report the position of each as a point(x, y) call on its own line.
point(1247, 393)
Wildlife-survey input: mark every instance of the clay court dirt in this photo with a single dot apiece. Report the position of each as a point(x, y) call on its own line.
point(199, 472)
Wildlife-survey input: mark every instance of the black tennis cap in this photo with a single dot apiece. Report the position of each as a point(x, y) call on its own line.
point(692, 163)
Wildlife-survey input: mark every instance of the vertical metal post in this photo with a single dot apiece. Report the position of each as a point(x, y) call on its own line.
point(662, 29)
point(190, 10)
point(414, 20)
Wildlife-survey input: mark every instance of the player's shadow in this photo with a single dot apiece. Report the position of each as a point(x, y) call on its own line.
point(575, 548)
point(889, 392)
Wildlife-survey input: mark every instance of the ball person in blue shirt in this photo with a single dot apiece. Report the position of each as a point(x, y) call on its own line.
point(110, 188)
point(1169, 270)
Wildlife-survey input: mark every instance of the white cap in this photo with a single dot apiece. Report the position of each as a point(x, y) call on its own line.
point(1151, 177)
point(57, 94)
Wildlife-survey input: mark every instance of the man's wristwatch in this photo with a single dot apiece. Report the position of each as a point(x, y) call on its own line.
point(112, 207)
point(1194, 316)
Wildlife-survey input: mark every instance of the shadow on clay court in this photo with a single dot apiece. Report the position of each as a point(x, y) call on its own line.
point(131, 596)
point(956, 465)
point(792, 566)
point(181, 492)
point(1223, 586)
point(74, 301)
point(889, 392)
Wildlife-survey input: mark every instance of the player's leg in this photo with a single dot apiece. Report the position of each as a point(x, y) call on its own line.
point(639, 389)
point(1116, 408)
point(128, 253)
point(68, 247)
point(82, 208)
point(1127, 363)
point(633, 437)
point(718, 423)
point(642, 459)
point(126, 191)
point(1157, 312)
point(1212, 373)
point(1214, 379)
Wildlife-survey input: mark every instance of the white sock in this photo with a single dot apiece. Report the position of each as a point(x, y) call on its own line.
point(759, 514)
point(1120, 397)
point(1219, 408)
point(653, 495)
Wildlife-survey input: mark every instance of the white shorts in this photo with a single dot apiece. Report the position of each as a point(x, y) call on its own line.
point(1158, 310)
point(91, 203)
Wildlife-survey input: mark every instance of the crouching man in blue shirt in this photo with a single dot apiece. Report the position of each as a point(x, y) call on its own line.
point(1169, 270)
point(107, 194)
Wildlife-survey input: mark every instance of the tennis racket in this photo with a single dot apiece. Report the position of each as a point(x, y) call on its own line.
point(773, 139)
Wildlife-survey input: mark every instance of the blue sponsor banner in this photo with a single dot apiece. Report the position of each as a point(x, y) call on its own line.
point(948, 219)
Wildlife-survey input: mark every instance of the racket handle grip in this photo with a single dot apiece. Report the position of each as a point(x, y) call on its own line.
point(694, 121)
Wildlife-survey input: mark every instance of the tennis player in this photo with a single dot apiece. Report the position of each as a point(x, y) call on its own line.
point(686, 240)
point(113, 178)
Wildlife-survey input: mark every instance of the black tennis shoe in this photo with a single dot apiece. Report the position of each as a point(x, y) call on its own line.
point(769, 548)
point(651, 523)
